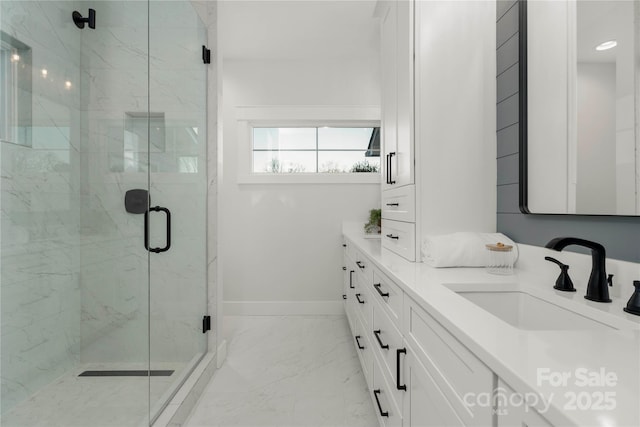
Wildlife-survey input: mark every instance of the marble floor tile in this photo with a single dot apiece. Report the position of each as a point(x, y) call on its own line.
point(286, 371)
point(73, 401)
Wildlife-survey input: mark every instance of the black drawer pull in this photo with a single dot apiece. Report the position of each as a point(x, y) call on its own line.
point(351, 279)
point(344, 268)
point(358, 298)
point(344, 296)
point(382, 413)
point(391, 236)
point(377, 334)
point(358, 342)
point(359, 264)
point(398, 353)
point(344, 245)
point(382, 294)
point(393, 204)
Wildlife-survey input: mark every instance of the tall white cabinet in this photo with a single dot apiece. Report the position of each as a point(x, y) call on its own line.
point(398, 148)
point(438, 62)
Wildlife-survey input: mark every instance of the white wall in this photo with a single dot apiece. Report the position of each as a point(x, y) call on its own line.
point(456, 115)
point(281, 243)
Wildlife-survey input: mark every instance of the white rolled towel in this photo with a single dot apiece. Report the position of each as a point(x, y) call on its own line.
point(463, 249)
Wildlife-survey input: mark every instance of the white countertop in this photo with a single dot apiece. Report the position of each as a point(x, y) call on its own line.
point(516, 355)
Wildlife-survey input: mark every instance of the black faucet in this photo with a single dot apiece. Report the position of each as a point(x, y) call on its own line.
point(598, 286)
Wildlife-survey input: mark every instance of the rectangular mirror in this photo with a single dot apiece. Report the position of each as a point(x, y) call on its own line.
point(579, 89)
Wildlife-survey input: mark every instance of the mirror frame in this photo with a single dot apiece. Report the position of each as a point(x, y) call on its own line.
point(523, 174)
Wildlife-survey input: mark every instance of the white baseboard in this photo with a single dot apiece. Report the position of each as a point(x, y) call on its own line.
point(222, 353)
point(282, 308)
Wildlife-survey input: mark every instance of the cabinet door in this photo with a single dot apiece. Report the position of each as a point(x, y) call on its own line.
point(389, 77)
point(518, 415)
point(402, 171)
point(424, 404)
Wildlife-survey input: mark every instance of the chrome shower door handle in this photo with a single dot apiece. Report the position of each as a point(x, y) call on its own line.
point(167, 213)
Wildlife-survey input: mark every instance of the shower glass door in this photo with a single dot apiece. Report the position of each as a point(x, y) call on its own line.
point(96, 330)
point(114, 264)
point(178, 182)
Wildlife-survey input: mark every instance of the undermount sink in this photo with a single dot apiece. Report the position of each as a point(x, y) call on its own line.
point(525, 311)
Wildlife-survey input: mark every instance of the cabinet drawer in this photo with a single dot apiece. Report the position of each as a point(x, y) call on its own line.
point(399, 204)
point(454, 368)
point(389, 296)
point(364, 267)
point(364, 349)
point(387, 340)
point(362, 301)
point(388, 410)
point(399, 237)
point(349, 292)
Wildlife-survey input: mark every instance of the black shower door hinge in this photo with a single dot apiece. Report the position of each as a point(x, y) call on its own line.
point(206, 55)
point(206, 324)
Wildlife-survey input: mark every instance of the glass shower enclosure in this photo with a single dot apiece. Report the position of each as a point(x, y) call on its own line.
point(103, 283)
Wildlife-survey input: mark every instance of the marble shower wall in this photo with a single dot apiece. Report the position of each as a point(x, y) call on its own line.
point(40, 199)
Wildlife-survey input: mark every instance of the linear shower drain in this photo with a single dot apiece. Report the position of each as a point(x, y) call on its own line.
point(126, 373)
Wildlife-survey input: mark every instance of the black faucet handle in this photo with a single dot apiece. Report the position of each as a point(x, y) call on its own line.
point(633, 305)
point(555, 261)
point(563, 283)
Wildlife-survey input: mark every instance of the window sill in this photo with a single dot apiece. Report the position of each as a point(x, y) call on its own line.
point(311, 178)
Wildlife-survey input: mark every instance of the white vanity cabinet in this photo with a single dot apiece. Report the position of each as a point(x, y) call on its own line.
point(417, 372)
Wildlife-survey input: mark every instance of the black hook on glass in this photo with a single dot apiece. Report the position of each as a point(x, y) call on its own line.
point(79, 20)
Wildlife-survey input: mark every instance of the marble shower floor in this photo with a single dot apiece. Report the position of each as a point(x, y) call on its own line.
point(73, 401)
point(286, 371)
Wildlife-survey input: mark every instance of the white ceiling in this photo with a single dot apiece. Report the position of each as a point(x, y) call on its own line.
point(601, 21)
point(298, 29)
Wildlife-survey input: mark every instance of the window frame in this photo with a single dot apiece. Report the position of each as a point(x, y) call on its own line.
point(249, 118)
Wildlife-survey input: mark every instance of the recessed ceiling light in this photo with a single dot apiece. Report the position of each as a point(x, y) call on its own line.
point(15, 57)
point(607, 45)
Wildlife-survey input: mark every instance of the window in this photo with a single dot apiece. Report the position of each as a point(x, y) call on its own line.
point(321, 149)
